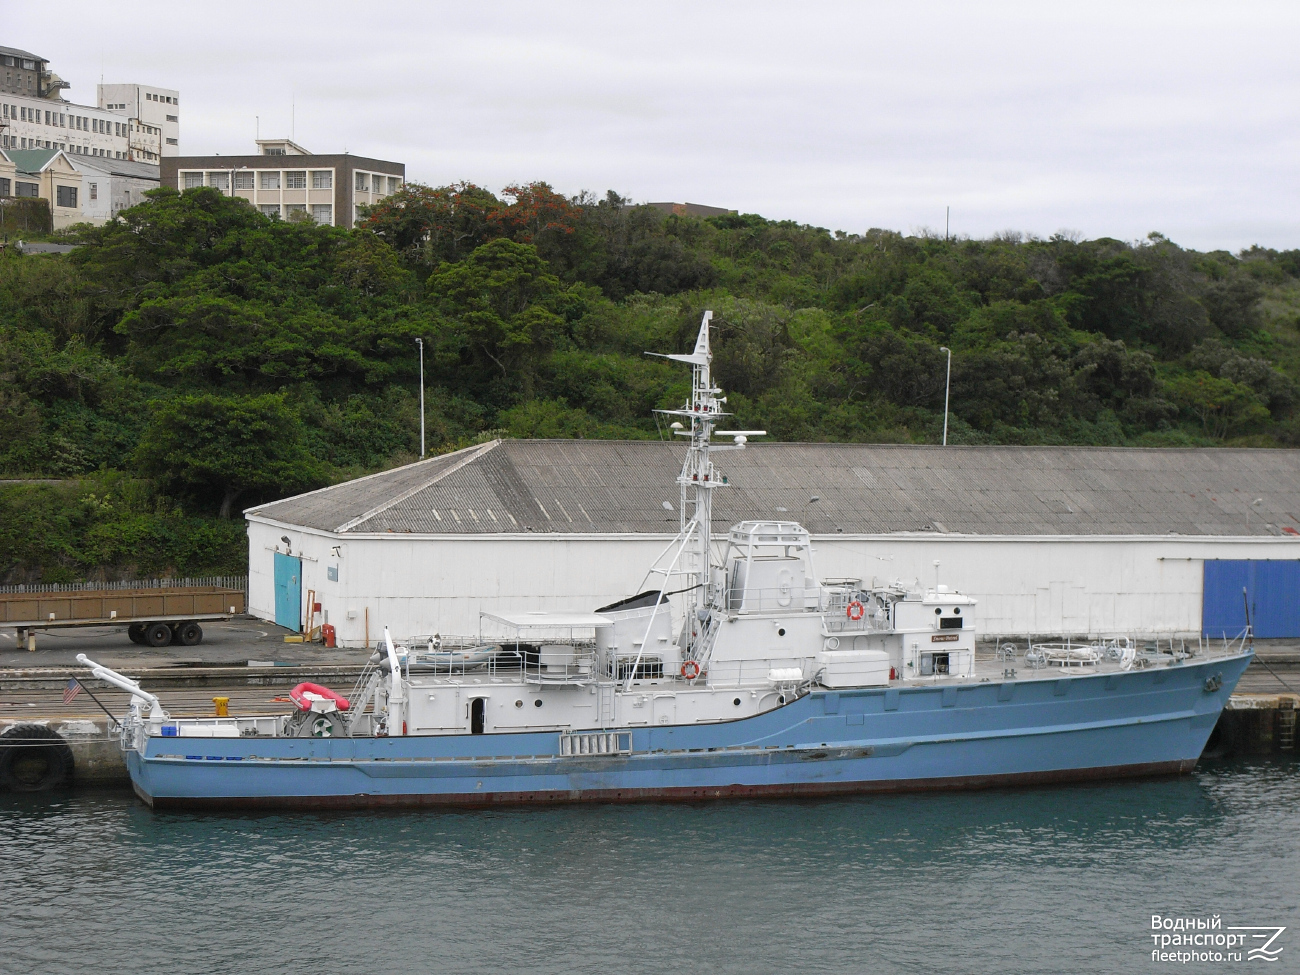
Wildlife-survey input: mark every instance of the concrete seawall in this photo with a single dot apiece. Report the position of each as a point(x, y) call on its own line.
point(96, 755)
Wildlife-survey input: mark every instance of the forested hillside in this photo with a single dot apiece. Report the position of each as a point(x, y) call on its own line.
point(194, 357)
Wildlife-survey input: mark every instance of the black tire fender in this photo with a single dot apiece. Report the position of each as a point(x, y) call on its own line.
point(34, 759)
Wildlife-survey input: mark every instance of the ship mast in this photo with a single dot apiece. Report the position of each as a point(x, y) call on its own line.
point(697, 481)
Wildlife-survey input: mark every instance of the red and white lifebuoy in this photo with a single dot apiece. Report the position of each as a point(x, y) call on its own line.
point(856, 610)
point(690, 670)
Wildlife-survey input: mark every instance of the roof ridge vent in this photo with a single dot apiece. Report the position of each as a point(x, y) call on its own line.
point(398, 499)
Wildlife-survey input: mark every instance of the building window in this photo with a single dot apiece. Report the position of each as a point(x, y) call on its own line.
point(295, 180)
point(293, 209)
point(243, 181)
point(172, 118)
point(65, 196)
point(270, 181)
point(220, 180)
point(322, 213)
point(191, 180)
point(5, 187)
point(32, 190)
point(322, 179)
point(94, 191)
point(394, 184)
point(270, 210)
point(362, 183)
point(173, 142)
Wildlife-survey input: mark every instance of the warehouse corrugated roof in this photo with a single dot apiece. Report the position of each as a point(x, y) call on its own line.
point(603, 486)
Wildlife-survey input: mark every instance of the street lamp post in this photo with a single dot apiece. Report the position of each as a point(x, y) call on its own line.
point(947, 385)
point(420, 343)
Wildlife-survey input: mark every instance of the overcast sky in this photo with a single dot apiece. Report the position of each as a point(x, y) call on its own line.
point(1106, 119)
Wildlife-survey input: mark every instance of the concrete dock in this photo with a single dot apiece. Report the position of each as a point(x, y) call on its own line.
point(248, 662)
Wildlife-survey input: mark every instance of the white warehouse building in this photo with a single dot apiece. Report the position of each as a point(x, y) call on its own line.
point(1077, 541)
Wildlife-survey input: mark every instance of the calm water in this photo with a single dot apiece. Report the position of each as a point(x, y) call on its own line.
point(1047, 880)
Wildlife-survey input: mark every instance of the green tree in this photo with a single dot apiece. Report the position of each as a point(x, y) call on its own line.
point(211, 447)
point(1222, 406)
point(505, 310)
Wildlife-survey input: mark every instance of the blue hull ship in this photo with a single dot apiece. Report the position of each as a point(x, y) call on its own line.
point(736, 671)
point(976, 735)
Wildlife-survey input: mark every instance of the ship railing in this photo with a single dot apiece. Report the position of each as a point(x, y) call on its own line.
point(554, 662)
point(264, 726)
point(561, 663)
point(839, 610)
point(774, 599)
point(1064, 655)
point(1094, 651)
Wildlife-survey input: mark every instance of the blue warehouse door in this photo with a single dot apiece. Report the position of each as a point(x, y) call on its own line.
point(288, 592)
point(1272, 589)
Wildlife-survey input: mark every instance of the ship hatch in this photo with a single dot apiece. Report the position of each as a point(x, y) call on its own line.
point(477, 708)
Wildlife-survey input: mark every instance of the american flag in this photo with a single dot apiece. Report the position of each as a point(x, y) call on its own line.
point(71, 690)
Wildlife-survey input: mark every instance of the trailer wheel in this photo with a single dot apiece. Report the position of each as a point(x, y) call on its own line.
point(157, 634)
point(135, 633)
point(189, 634)
point(33, 759)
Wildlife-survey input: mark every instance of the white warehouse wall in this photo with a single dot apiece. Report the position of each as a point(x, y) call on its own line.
point(1075, 585)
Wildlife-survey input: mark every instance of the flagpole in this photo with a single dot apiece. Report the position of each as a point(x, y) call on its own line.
point(91, 694)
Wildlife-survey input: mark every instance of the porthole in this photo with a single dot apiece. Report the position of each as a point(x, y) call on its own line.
point(938, 612)
point(956, 611)
point(736, 702)
point(537, 703)
point(781, 631)
point(519, 704)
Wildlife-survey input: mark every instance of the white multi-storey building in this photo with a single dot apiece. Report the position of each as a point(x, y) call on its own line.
point(138, 123)
point(156, 112)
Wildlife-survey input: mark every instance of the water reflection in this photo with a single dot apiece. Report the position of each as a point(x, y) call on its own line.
point(962, 882)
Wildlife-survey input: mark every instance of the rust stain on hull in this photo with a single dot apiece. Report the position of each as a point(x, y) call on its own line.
point(689, 794)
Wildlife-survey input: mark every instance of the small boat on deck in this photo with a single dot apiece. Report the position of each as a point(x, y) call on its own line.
point(735, 671)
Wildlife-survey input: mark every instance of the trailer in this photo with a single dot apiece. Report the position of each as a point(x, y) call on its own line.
point(152, 617)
